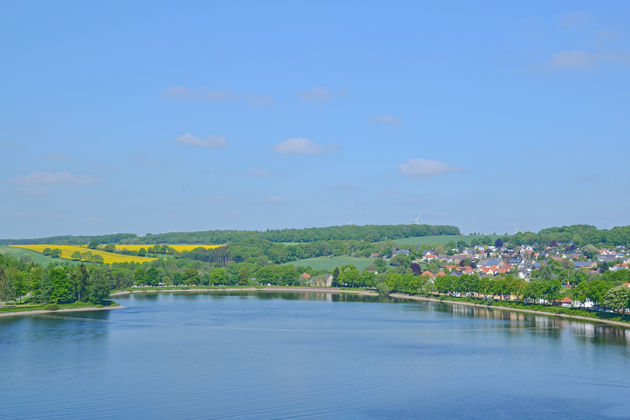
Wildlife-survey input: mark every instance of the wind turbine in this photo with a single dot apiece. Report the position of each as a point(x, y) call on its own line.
point(416, 221)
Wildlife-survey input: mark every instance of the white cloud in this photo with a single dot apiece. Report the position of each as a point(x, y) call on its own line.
point(258, 173)
point(53, 178)
point(54, 157)
point(575, 59)
point(424, 168)
point(274, 199)
point(580, 59)
point(216, 95)
point(302, 146)
point(317, 94)
point(575, 19)
point(385, 119)
point(219, 198)
point(210, 142)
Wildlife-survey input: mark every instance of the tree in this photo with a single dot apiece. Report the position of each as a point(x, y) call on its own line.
point(98, 285)
point(590, 251)
point(93, 244)
point(79, 281)
point(401, 260)
point(61, 291)
point(152, 276)
point(191, 276)
point(55, 253)
point(7, 291)
point(218, 277)
point(617, 298)
point(76, 256)
point(498, 243)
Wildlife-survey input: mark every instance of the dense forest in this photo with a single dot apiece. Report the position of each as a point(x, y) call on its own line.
point(578, 235)
point(370, 233)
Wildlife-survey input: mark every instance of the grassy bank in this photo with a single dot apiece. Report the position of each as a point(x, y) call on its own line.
point(52, 307)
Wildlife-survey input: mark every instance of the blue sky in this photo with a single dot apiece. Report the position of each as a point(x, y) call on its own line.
point(176, 116)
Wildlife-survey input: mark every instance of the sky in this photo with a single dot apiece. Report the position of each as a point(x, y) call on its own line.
point(150, 117)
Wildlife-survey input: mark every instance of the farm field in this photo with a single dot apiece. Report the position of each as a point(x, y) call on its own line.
point(37, 257)
point(68, 250)
point(178, 248)
point(438, 239)
point(329, 263)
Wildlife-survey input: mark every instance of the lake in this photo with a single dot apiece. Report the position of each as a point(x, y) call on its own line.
point(312, 355)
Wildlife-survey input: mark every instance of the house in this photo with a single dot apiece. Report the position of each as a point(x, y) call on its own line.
point(429, 256)
point(618, 267)
point(375, 255)
point(427, 273)
point(490, 262)
point(399, 251)
point(584, 264)
point(565, 302)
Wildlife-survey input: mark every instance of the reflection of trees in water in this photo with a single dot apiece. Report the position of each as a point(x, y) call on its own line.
point(599, 333)
point(542, 325)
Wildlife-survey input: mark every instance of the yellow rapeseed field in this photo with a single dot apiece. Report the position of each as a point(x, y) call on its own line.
point(178, 248)
point(68, 250)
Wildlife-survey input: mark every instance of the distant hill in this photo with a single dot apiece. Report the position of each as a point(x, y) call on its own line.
point(371, 233)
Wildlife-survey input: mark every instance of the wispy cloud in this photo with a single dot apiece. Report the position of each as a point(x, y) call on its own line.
point(575, 19)
point(388, 191)
point(219, 198)
point(586, 178)
point(581, 59)
point(54, 178)
point(210, 142)
point(302, 146)
point(216, 95)
point(346, 188)
point(425, 168)
point(56, 157)
point(38, 183)
point(316, 94)
point(275, 199)
point(385, 119)
point(258, 173)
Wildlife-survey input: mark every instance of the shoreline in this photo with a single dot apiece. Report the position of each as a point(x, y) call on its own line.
point(269, 289)
point(53, 311)
point(506, 308)
point(297, 289)
point(400, 296)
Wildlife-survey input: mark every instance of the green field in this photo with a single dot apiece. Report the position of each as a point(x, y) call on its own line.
point(438, 239)
point(33, 255)
point(329, 263)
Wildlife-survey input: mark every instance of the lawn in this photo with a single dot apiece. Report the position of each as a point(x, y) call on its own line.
point(438, 239)
point(329, 263)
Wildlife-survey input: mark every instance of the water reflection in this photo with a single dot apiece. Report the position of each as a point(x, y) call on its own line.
point(549, 326)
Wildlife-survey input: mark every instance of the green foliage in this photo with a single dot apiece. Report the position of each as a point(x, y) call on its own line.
point(617, 298)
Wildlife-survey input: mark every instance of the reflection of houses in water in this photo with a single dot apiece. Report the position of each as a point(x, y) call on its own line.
point(600, 333)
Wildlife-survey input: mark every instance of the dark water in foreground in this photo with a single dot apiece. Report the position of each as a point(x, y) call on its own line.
point(308, 355)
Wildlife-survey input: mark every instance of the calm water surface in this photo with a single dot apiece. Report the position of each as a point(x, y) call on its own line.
point(308, 355)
